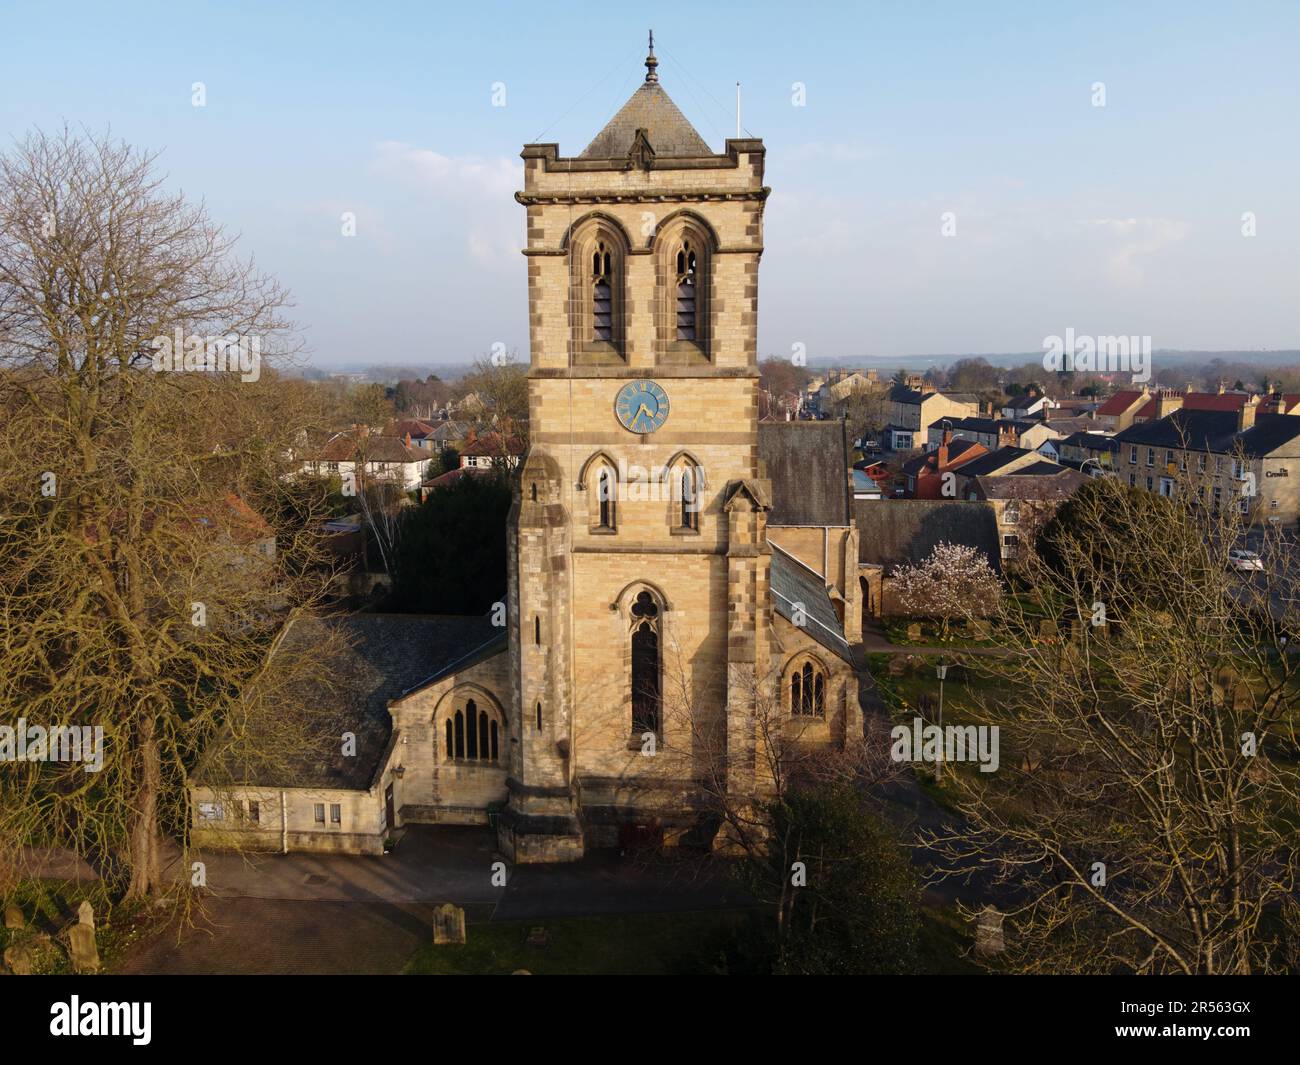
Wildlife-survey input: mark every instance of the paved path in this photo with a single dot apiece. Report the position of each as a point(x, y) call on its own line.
point(309, 913)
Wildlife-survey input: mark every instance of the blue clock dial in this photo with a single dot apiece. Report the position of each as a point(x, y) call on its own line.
point(641, 406)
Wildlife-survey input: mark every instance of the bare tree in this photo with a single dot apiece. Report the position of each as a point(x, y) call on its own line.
point(1147, 817)
point(136, 387)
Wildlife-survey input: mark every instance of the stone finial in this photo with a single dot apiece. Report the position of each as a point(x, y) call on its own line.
point(651, 74)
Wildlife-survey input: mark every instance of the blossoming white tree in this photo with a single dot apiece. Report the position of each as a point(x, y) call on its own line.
point(955, 581)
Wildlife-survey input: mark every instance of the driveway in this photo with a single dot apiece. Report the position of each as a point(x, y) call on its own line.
point(435, 864)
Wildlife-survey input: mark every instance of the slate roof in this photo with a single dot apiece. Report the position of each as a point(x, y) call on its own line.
point(993, 461)
point(897, 531)
point(1046, 468)
point(1092, 441)
point(1059, 485)
point(796, 588)
point(990, 425)
point(1214, 431)
point(380, 656)
point(667, 130)
point(808, 466)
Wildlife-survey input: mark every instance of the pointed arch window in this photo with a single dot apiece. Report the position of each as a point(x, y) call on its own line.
point(687, 278)
point(690, 502)
point(646, 695)
point(602, 294)
point(605, 493)
point(808, 691)
point(473, 734)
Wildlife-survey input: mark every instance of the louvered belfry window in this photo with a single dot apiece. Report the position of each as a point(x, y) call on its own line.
point(602, 295)
point(686, 292)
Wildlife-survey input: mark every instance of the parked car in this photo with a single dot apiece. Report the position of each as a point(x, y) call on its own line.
point(1244, 561)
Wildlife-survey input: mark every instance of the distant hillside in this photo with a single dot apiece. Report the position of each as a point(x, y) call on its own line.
point(1162, 356)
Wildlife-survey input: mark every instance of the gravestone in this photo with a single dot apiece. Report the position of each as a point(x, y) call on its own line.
point(1047, 629)
point(81, 940)
point(914, 632)
point(1076, 630)
point(13, 916)
point(979, 628)
point(18, 959)
point(988, 932)
point(448, 924)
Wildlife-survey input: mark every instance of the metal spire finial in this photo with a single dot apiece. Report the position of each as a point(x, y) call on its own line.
point(650, 61)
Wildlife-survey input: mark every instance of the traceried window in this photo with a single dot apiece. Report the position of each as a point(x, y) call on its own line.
point(686, 291)
point(602, 294)
point(472, 735)
point(808, 691)
point(646, 701)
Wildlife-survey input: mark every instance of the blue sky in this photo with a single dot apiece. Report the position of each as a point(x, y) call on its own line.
point(1123, 219)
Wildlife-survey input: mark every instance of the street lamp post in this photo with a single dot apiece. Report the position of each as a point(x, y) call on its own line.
point(941, 671)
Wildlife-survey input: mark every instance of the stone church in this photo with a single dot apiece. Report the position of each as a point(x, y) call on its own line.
point(682, 587)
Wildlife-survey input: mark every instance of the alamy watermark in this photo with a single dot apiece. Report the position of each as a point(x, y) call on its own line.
point(1103, 354)
point(638, 484)
point(947, 743)
point(57, 743)
point(213, 354)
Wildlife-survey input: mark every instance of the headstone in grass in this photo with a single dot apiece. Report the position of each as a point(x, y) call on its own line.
point(18, 959)
point(914, 632)
point(81, 940)
point(539, 937)
point(448, 924)
point(13, 916)
point(1047, 629)
point(988, 932)
point(979, 628)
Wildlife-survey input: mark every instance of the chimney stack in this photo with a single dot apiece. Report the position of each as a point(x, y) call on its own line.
point(1166, 403)
point(941, 460)
point(1246, 416)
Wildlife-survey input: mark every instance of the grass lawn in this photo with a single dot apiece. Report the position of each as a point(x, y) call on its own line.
point(650, 944)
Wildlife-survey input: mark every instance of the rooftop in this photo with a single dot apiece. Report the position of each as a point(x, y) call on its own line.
point(650, 120)
point(808, 465)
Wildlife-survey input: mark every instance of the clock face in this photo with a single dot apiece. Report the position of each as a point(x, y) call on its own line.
point(641, 406)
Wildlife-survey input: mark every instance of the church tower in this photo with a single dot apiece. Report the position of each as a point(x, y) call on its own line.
point(639, 568)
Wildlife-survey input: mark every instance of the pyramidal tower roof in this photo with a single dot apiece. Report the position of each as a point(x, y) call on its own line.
point(650, 120)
